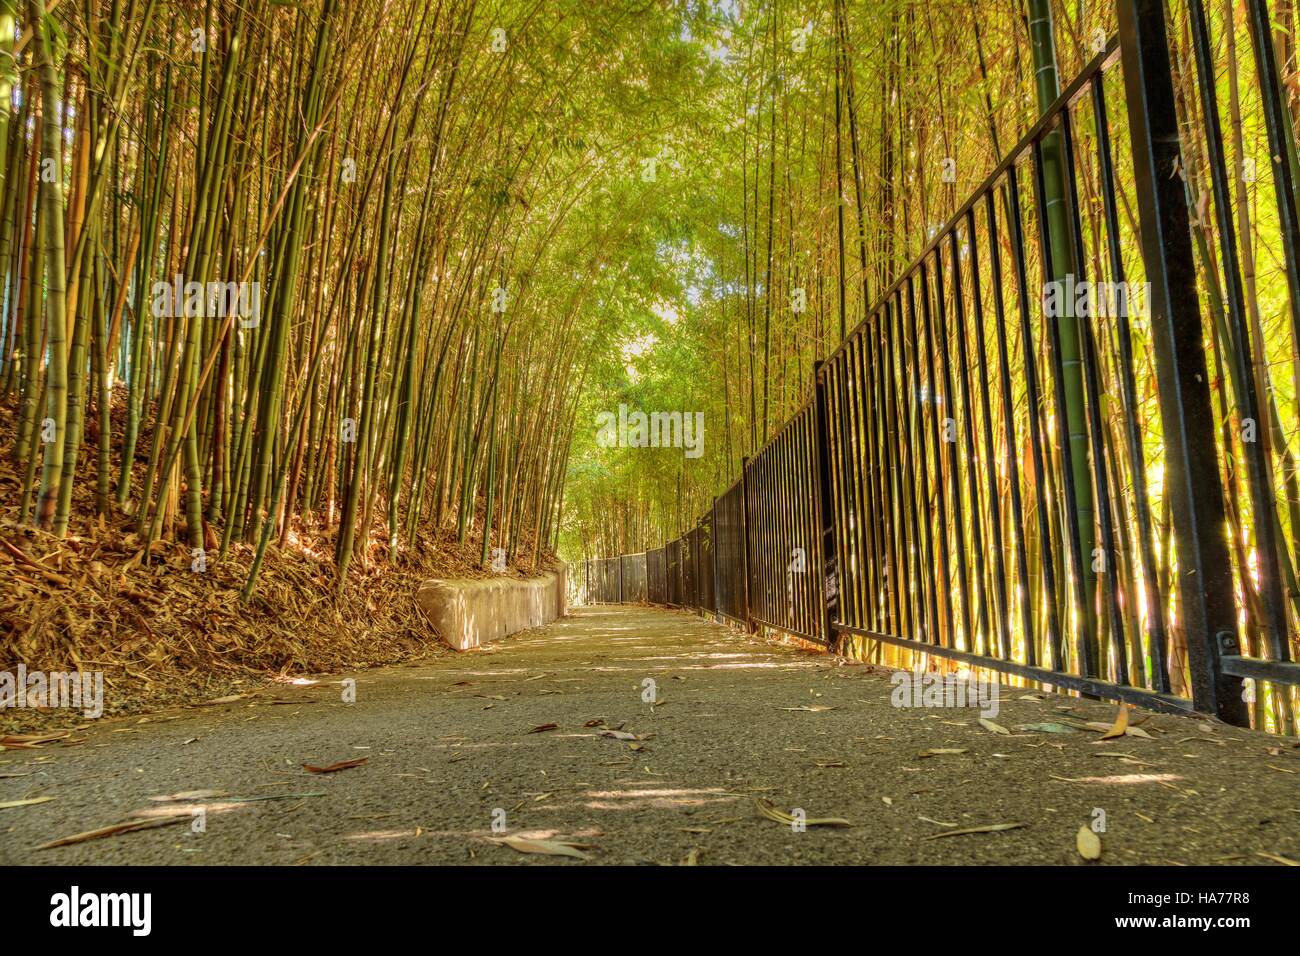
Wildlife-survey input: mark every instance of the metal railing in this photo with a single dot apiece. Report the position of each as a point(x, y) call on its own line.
point(924, 495)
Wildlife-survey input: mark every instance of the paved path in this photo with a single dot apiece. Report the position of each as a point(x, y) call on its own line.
point(448, 744)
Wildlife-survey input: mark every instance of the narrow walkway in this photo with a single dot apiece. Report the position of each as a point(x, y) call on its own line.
point(451, 741)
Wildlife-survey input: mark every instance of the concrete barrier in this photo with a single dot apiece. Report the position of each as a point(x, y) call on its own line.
point(471, 612)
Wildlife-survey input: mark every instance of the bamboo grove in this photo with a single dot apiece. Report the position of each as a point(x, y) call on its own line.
point(357, 276)
point(311, 272)
point(855, 133)
point(843, 167)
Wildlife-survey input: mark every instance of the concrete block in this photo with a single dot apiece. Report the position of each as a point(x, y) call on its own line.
point(471, 612)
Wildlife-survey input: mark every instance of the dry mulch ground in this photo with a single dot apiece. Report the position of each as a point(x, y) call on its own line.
point(164, 633)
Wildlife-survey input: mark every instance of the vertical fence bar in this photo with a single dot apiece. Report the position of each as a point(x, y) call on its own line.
point(1157, 639)
point(1191, 471)
point(744, 539)
point(829, 585)
point(716, 599)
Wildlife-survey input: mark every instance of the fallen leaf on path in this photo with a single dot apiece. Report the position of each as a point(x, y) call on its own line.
point(619, 735)
point(546, 847)
point(30, 801)
point(126, 826)
point(30, 741)
point(814, 709)
point(991, 828)
point(767, 809)
point(992, 727)
point(1277, 858)
point(1047, 728)
point(274, 796)
point(222, 700)
point(937, 751)
point(341, 765)
point(1117, 729)
point(938, 823)
point(542, 728)
point(187, 795)
point(692, 858)
point(1088, 843)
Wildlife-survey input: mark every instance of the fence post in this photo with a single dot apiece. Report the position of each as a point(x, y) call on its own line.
point(744, 537)
point(830, 585)
point(699, 579)
point(1206, 602)
point(713, 550)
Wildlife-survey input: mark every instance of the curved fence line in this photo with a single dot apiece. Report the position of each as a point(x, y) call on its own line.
point(973, 475)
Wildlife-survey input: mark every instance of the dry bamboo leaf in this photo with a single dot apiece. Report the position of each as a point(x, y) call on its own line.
point(542, 728)
point(545, 847)
point(29, 802)
point(126, 826)
point(767, 809)
point(1118, 728)
point(1088, 843)
point(938, 823)
point(991, 828)
point(619, 735)
point(814, 709)
point(30, 741)
point(992, 727)
point(1048, 727)
point(1278, 858)
point(186, 796)
point(341, 765)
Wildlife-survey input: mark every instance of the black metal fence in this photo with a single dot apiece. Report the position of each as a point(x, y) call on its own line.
point(729, 579)
point(657, 576)
point(969, 477)
point(621, 580)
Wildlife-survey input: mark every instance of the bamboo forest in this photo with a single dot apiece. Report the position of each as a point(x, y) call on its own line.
point(842, 419)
